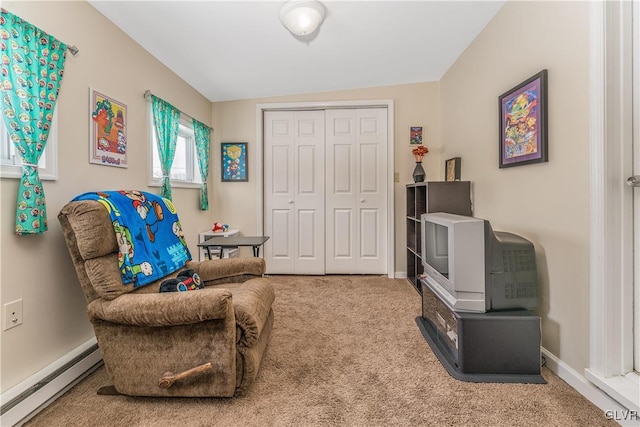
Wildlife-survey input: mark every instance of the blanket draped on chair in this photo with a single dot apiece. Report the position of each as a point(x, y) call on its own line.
point(150, 238)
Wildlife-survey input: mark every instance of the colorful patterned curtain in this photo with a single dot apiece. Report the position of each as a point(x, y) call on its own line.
point(32, 69)
point(166, 119)
point(202, 133)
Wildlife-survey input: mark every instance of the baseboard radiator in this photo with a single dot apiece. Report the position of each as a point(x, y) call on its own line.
point(25, 400)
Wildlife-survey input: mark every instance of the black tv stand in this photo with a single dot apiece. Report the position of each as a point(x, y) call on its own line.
point(495, 347)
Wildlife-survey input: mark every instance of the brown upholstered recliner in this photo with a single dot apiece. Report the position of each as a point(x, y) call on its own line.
point(150, 341)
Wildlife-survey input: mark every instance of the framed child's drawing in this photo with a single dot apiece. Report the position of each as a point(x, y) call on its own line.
point(234, 161)
point(108, 131)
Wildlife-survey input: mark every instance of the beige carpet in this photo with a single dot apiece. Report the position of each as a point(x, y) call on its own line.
point(345, 351)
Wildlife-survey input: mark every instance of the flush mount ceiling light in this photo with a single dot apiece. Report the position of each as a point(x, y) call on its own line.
point(302, 17)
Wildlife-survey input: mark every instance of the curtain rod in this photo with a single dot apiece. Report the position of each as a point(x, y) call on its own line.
point(70, 47)
point(147, 96)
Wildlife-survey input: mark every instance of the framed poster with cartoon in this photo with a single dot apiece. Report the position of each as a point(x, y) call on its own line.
point(108, 131)
point(234, 161)
point(523, 123)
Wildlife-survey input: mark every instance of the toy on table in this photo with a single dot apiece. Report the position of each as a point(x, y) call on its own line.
point(219, 227)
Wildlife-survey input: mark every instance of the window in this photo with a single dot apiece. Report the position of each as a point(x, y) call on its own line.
point(185, 171)
point(11, 162)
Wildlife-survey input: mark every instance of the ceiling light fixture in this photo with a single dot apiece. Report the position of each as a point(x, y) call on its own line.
point(302, 17)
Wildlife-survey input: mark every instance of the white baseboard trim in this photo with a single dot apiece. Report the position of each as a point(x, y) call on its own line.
point(612, 409)
point(26, 399)
point(400, 274)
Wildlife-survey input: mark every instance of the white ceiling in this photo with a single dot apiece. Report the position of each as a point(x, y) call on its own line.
point(230, 50)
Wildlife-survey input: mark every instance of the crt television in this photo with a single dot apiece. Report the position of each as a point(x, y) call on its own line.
point(475, 269)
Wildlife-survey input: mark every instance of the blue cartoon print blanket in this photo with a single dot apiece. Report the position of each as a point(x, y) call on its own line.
point(150, 239)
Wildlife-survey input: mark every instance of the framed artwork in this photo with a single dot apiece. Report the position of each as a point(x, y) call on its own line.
point(108, 131)
point(523, 122)
point(416, 135)
point(234, 161)
point(452, 169)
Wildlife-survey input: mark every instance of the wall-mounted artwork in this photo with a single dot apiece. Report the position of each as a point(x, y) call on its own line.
point(234, 161)
point(108, 131)
point(415, 135)
point(523, 122)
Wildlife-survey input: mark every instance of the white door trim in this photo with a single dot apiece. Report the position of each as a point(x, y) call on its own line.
point(611, 287)
point(636, 171)
point(385, 103)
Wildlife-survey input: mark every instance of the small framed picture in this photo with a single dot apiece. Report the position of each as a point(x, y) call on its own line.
point(234, 161)
point(108, 131)
point(523, 123)
point(416, 135)
point(452, 169)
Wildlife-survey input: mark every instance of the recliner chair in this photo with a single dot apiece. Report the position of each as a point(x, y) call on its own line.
point(206, 342)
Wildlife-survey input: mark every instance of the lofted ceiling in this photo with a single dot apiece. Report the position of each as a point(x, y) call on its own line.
point(231, 50)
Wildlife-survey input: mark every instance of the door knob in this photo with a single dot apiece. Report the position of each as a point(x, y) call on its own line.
point(634, 181)
point(361, 200)
point(290, 202)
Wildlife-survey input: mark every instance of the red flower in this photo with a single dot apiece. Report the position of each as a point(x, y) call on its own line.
point(419, 152)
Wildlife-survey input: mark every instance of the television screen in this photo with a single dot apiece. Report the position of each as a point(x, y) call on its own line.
point(437, 250)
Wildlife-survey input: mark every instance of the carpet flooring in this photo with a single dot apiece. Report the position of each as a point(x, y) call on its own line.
point(344, 351)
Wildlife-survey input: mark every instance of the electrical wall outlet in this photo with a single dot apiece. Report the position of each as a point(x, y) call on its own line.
point(396, 177)
point(12, 314)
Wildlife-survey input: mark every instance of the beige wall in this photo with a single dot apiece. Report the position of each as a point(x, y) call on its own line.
point(414, 105)
point(37, 268)
point(547, 203)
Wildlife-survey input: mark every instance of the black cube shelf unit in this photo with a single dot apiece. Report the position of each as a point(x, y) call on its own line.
point(433, 196)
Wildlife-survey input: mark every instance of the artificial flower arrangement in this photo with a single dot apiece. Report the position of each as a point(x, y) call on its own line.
point(419, 152)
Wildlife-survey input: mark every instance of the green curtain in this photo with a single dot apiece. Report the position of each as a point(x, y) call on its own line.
point(166, 119)
point(32, 69)
point(202, 133)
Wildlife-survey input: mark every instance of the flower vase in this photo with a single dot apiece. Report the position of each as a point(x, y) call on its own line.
point(418, 173)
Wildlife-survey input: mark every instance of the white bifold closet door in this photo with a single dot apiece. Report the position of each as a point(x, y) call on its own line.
point(356, 191)
point(294, 192)
point(325, 191)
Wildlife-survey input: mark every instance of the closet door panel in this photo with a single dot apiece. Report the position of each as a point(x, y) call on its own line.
point(357, 192)
point(340, 172)
point(372, 194)
point(343, 223)
point(309, 192)
point(369, 233)
point(341, 184)
point(306, 241)
point(280, 165)
point(281, 246)
point(368, 167)
point(279, 192)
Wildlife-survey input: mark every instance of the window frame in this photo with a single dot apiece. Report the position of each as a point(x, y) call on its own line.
point(47, 171)
point(190, 148)
point(610, 365)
